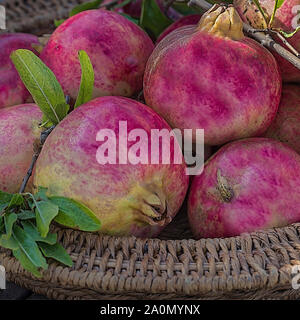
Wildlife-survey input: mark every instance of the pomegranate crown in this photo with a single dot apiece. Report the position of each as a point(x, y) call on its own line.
point(222, 21)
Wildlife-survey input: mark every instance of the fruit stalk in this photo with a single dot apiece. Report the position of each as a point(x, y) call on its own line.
point(265, 39)
point(37, 150)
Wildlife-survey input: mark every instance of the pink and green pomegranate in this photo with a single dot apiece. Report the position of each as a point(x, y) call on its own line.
point(248, 185)
point(212, 77)
point(19, 129)
point(286, 18)
point(191, 19)
point(286, 125)
point(129, 199)
point(117, 47)
point(12, 90)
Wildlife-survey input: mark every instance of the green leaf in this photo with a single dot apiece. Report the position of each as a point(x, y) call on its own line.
point(153, 20)
point(289, 34)
point(29, 247)
point(74, 214)
point(56, 252)
point(41, 194)
point(5, 199)
point(9, 220)
point(85, 6)
point(87, 79)
point(277, 5)
point(42, 84)
point(2, 225)
point(57, 23)
point(136, 21)
point(10, 243)
point(26, 262)
point(32, 230)
point(16, 200)
point(45, 212)
point(26, 215)
point(184, 9)
point(122, 4)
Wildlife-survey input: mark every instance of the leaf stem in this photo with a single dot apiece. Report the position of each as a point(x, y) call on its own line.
point(273, 14)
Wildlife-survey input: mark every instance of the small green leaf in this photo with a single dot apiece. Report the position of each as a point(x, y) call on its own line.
point(2, 225)
point(85, 6)
point(26, 262)
point(153, 20)
point(277, 5)
point(136, 21)
point(9, 220)
point(26, 215)
point(79, 215)
point(57, 23)
point(10, 243)
point(42, 84)
point(87, 79)
point(41, 194)
point(45, 212)
point(56, 252)
point(289, 34)
point(32, 230)
point(5, 199)
point(184, 9)
point(122, 4)
point(16, 200)
point(29, 247)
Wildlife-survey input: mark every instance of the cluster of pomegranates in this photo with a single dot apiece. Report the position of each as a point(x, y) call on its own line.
point(202, 73)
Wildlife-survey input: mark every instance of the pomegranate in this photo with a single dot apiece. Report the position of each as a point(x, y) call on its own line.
point(286, 126)
point(247, 185)
point(116, 46)
point(286, 17)
point(214, 78)
point(129, 199)
point(12, 90)
point(19, 128)
point(191, 19)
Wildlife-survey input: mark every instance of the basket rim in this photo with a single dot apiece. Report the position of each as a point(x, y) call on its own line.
point(107, 265)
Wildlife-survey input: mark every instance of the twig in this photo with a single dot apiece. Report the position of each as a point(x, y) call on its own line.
point(37, 151)
point(167, 5)
point(265, 39)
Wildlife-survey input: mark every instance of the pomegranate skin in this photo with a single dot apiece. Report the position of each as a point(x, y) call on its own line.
point(12, 90)
point(116, 46)
point(192, 19)
point(284, 18)
point(123, 196)
point(19, 128)
point(264, 189)
point(196, 80)
point(286, 125)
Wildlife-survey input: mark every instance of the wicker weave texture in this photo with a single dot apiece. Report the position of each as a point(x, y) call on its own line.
point(255, 266)
point(36, 16)
point(250, 266)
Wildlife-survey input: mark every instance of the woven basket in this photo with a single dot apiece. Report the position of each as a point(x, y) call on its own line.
point(252, 266)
